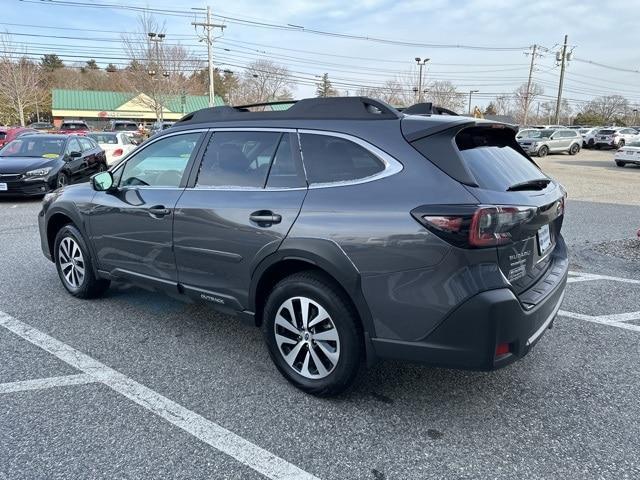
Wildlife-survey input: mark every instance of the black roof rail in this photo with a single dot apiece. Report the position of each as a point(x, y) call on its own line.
point(427, 108)
point(330, 108)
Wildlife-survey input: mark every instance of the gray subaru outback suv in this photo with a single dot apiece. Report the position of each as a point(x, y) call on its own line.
point(347, 230)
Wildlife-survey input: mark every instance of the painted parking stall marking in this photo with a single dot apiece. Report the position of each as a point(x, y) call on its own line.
point(49, 382)
point(619, 320)
point(218, 437)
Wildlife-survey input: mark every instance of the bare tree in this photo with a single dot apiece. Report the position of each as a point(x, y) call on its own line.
point(157, 70)
point(20, 81)
point(521, 101)
point(265, 81)
point(609, 107)
point(443, 93)
point(502, 104)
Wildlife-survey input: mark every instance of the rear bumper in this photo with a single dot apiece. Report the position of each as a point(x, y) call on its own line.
point(468, 337)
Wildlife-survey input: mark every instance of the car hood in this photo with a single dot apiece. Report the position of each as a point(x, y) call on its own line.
point(24, 164)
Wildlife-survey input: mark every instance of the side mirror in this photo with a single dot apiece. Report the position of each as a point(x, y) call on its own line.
point(103, 181)
point(75, 154)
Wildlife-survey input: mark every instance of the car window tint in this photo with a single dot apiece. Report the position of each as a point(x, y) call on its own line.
point(85, 144)
point(286, 170)
point(162, 163)
point(237, 159)
point(73, 146)
point(329, 159)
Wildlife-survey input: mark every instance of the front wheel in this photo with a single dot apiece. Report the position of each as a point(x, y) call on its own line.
point(544, 150)
point(575, 148)
point(62, 180)
point(75, 266)
point(312, 333)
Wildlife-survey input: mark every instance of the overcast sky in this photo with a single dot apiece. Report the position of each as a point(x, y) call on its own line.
point(600, 32)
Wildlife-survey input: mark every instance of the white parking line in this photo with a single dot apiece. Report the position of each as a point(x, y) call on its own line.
point(49, 382)
point(615, 320)
point(575, 277)
point(247, 453)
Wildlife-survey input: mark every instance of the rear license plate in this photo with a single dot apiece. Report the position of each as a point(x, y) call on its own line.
point(544, 239)
point(3, 187)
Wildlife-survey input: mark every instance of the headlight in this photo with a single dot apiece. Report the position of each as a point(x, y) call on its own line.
point(39, 172)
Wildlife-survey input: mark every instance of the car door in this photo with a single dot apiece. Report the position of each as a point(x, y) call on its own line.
point(74, 165)
point(91, 159)
point(131, 224)
point(239, 206)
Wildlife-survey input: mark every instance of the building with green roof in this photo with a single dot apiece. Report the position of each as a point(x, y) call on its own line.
point(98, 107)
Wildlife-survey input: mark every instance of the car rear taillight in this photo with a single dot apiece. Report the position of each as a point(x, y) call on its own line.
point(474, 227)
point(117, 152)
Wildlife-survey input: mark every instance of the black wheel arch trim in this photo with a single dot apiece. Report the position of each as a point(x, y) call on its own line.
point(325, 255)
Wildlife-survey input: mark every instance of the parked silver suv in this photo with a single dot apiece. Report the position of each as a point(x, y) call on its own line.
point(542, 142)
point(615, 137)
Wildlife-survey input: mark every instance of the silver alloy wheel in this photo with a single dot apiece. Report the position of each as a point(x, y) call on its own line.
point(71, 262)
point(62, 180)
point(306, 337)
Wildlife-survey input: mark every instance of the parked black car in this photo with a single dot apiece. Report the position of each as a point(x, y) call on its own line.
point(33, 165)
point(347, 230)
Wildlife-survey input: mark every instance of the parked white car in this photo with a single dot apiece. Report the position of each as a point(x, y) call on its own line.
point(589, 136)
point(615, 137)
point(116, 145)
point(630, 153)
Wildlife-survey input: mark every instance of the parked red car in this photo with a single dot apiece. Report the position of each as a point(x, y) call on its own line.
point(12, 133)
point(78, 127)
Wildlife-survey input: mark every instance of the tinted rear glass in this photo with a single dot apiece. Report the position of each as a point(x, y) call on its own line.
point(2, 135)
point(492, 157)
point(73, 126)
point(125, 127)
point(606, 132)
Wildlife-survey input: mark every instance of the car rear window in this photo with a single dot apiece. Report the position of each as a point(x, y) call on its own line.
point(491, 155)
point(122, 127)
point(606, 132)
point(3, 135)
point(73, 126)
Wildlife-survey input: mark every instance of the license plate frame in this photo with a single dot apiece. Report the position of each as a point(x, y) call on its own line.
point(544, 239)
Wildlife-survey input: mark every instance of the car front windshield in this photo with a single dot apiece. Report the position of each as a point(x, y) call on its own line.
point(34, 146)
point(125, 127)
point(73, 126)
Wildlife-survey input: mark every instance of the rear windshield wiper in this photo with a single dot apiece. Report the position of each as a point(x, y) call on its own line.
point(536, 184)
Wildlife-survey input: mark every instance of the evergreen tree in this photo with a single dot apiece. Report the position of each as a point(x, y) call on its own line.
point(324, 87)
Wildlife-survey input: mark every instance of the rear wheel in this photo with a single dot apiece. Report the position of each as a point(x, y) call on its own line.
point(591, 142)
point(312, 333)
point(543, 151)
point(575, 148)
point(620, 164)
point(75, 266)
point(621, 143)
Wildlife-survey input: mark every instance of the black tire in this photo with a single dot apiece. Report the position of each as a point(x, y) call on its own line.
point(90, 286)
point(574, 149)
point(620, 164)
point(320, 289)
point(621, 143)
point(543, 151)
point(102, 168)
point(591, 143)
point(62, 180)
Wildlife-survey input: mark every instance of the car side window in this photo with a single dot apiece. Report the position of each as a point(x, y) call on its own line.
point(73, 146)
point(237, 159)
point(85, 143)
point(286, 170)
point(329, 159)
point(162, 163)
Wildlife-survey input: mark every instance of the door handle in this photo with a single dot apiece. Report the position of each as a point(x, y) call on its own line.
point(265, 217)
point(158, 211)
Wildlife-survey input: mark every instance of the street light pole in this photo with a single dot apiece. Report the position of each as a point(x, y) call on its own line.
point(421, 63)
point(471, 92)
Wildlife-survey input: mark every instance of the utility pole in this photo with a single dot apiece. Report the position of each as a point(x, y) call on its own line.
point(421, 63)
point(526, 98)
point(158, 38)
point(208, 26)
point(561, 56)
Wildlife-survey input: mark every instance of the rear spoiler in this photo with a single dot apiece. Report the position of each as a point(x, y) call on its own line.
point(427, 108)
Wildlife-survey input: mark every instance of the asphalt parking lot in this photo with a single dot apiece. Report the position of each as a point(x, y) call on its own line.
point(138, 385)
